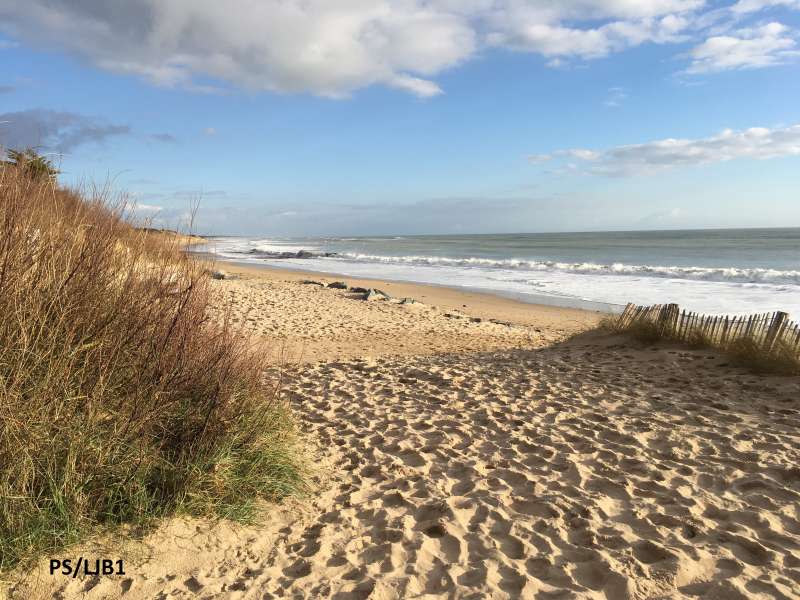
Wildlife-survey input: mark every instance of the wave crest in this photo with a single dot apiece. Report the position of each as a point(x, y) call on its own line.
point(722, 274)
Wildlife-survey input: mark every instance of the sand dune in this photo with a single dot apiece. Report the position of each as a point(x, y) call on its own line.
point(588, 468)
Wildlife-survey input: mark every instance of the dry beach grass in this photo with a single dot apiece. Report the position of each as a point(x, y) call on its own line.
point(121, 400)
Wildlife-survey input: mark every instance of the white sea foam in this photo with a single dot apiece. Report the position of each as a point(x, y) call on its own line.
point(233, 247)
point(733, 274)
point(713, 290)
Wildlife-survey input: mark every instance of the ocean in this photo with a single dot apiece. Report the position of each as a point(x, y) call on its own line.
point(722, 271)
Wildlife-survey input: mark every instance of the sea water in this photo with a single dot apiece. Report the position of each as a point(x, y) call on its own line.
point(723, 271)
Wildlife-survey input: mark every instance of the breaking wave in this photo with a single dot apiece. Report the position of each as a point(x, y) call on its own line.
point(721, 274)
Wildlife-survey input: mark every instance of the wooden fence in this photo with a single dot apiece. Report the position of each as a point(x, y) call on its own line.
point(768, 330)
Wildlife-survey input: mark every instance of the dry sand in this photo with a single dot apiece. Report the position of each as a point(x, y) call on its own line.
point(305, 323)
point(473, 460)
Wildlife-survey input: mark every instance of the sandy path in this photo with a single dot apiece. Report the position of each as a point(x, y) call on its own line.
point(590, 469)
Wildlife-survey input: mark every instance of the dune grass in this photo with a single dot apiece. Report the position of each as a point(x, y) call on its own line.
point(121, 400)
point(646, 332)
point(780, 359)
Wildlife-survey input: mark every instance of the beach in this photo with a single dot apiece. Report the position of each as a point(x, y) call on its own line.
point(720, 271)
point(302, 322)
point(400, 300)
point(471, 446)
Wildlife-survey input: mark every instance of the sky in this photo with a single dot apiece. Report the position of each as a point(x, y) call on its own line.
point(380, 117)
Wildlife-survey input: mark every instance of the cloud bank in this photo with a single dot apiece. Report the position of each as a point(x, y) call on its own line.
point(334, 48)
point(763, 46)
point(758, 143)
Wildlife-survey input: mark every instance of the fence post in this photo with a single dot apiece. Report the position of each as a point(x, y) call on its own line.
point(778, 321)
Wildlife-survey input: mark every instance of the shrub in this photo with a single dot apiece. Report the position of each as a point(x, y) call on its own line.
point(121, 400)
point(34, 165)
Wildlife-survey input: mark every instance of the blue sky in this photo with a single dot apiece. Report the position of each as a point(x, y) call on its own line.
point(411, 116)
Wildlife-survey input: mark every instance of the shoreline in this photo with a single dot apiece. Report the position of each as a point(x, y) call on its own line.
point(405, 288)
point(477, 303)
point(596, 274)
point(292, 320)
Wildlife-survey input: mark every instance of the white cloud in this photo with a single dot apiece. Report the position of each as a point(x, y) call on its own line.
point(556, 63)
point(572, 153)
point(335, 47)
point(643, 159)
point(764, 46)
point(146, 208)
point(750, 6)
point(581, 154)
point(332, 48)
point(558, 40)
point(415, 85)
point(327, 48)
point(210, 131)
point(616, 96)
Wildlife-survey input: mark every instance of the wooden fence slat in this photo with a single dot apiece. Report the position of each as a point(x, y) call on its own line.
point(712, 334)
point(765, 329)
